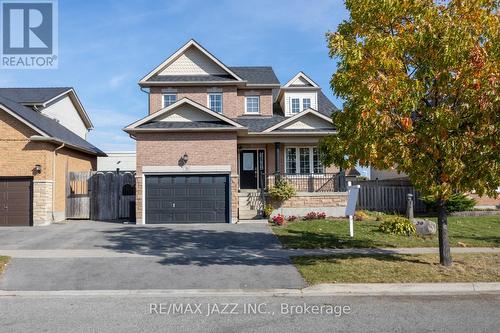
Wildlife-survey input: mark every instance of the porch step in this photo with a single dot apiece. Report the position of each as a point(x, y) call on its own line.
point(249, 205)
point(249, 215)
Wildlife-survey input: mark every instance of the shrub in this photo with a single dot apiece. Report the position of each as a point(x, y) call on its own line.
point(282, 191)
point(315, 216)
point(456, 203)
point(268, 209)
point(360, 216)
point(279, 219)
point(397, 225)
point(291, 218)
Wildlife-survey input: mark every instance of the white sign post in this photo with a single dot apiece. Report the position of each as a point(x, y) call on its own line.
point(351, 205)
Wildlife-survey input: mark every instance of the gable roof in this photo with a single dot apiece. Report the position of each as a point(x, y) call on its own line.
point(33, 96)
point(220, 121)
point(178, 53)
point(44, 96)
point(303, 77)
point(296, 117)
point(49, 129)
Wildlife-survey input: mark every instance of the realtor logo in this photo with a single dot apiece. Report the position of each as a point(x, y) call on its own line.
point(29, 34)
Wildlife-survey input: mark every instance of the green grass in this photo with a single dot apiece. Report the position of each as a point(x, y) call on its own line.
point(482, 231)
point(353, 268)
point(3, 263)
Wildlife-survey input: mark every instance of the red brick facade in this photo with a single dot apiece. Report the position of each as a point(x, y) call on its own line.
point(233, 99)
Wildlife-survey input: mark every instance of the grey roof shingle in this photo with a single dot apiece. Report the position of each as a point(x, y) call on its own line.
point(186, 125)
point(32, 95)
point(253, 75)
point(325, 106)
point(49, 126)
point(256, 74)
point(255, 124)
point(192, 78)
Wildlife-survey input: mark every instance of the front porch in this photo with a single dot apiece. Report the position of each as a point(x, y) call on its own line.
point(261, 165)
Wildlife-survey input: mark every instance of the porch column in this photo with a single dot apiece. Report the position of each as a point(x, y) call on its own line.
point(277, 154)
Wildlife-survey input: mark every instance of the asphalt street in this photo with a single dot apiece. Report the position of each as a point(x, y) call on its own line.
point(474, 313)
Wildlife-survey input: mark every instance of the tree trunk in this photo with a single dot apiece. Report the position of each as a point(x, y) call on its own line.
point(444, 244)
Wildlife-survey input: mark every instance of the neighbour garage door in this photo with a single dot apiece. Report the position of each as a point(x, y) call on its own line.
point(187, 199)
point(15, 201)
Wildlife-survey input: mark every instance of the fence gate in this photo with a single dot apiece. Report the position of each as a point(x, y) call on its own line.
point(78, 195)
point(113, 196)
point(101, 195)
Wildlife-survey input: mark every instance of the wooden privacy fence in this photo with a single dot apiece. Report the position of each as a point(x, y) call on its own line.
point(387, 196)
point(77, 195)
point(101, 195)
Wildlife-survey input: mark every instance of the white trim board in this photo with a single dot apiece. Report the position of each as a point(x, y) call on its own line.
point(303, 76)
point(27, 123)
point(173, 106)
point(297, 116)
point(186, 169)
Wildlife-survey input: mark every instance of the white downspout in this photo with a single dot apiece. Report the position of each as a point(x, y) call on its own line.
point(54, 180)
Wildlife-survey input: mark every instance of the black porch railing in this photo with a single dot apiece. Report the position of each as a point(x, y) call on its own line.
point(321, 182)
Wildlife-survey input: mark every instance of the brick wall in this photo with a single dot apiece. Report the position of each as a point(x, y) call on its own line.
point(165, 149)
point(19, 157)
point(233, 99)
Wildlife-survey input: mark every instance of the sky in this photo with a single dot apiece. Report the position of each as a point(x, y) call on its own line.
point(107, 46)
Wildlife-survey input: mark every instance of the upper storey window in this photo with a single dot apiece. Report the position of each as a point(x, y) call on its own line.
point(169, 99)
point(295, 105)
point(252, 104)
point(306, 103)
point(296, 102)
point(215, 102)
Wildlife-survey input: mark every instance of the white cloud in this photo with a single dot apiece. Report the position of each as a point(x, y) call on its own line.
point(117, 80)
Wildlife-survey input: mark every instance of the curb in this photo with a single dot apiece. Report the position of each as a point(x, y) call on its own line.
point(378, 289)
point(369, 289)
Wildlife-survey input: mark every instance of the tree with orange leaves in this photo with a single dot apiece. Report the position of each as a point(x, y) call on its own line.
point(420, 80)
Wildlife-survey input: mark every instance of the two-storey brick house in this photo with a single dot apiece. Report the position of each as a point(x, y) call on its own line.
point(217, 134)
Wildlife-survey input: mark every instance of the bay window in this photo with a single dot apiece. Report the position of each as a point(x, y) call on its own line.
point(303, 160)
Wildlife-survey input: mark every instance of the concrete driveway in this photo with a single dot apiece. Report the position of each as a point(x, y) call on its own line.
point(90, 255)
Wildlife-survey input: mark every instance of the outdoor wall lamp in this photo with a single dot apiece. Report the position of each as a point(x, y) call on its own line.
point(37, 169)
point(185, 157)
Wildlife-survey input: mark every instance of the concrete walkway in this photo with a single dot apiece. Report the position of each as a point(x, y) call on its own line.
point(279, 253)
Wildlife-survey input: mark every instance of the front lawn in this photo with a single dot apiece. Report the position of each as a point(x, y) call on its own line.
point(3, 263)
point(482, 231)
point(356, 268)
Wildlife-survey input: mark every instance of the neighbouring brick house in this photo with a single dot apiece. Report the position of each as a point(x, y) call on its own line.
point(215, 135)
point(42, 138)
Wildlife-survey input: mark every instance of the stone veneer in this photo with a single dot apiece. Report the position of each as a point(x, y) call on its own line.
point(331, 203)
point(42, 202)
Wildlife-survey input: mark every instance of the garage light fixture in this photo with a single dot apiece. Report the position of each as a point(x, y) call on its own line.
point(185, 158)
point(37, 169)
